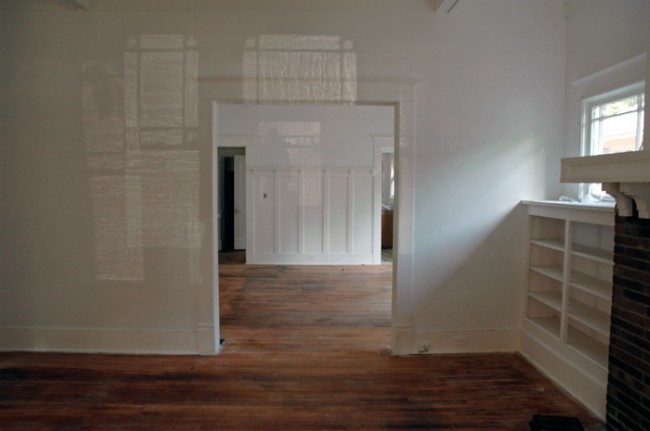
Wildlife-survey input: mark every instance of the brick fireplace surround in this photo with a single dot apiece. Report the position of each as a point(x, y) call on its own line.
point(628, 390)
point(625, 176)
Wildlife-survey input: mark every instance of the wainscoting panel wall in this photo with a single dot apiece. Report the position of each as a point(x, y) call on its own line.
point(264, 196)
point(311, 216)
point(362, 210)
point(337, 223)
point(286, 210)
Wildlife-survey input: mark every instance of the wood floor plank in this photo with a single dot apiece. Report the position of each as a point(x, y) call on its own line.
point(306, 348)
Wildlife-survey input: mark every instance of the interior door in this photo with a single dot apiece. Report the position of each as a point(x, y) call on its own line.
point(240, 202)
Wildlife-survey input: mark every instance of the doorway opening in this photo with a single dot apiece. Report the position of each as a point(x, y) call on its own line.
point(387, 204)
point(314, 188)
point(232, 201)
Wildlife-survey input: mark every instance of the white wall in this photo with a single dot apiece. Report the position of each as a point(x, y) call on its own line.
point(489, 125)
point(489, 122)
point(311, 183)
point(305, 136)
point(605, 44)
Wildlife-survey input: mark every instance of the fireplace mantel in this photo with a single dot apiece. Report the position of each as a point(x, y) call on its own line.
point(625, 176)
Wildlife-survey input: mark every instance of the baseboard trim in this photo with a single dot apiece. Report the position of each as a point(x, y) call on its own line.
point(207, 340)
point(109, 340)
point(477, 341)
point(311, 259)
point(401, 337)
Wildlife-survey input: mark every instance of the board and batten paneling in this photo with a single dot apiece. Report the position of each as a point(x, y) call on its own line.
point(286, 221)
point(312, 216)
point(312, 213)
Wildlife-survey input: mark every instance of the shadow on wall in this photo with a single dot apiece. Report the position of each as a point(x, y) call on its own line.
point(44, 206)
point(474, 270)
point(474, 292)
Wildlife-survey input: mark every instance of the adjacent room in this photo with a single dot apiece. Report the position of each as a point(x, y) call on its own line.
point(324, 214)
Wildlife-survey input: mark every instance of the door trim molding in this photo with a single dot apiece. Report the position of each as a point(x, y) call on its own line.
point(399, 93)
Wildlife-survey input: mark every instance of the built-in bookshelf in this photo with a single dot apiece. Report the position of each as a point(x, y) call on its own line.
point(568, 295)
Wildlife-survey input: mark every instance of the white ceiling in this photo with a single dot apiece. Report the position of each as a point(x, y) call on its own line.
point(438, 6)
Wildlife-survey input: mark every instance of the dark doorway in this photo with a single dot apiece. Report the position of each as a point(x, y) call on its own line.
point(232, 198)
point(228, 243)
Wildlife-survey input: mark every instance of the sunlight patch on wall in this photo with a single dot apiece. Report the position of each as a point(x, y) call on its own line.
point(298, 68)
point(299, 140)
point(118, 246)
point(140, 121)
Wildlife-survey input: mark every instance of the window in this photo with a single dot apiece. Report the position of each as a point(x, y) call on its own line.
point(612, 123)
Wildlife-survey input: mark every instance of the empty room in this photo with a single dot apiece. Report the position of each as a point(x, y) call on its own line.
point(324, 214)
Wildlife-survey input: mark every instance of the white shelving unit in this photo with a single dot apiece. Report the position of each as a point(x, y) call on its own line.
point(568, 295)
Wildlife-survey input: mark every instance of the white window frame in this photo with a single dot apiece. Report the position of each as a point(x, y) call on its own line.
point(587, 190)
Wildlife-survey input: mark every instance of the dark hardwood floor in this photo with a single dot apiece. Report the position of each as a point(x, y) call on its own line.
point(306, 348)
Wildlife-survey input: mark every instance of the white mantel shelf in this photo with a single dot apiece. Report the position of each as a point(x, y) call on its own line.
point(625, 176)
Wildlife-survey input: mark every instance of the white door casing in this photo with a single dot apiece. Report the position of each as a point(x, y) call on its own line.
point(399, 93)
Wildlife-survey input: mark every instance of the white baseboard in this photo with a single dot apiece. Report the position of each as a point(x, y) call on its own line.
point(401, 339)
point(207, 340)
point(108, 340)
point(479, 341)
point(310, 259)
